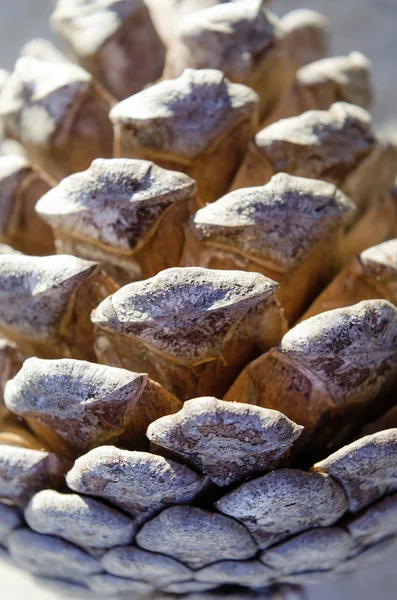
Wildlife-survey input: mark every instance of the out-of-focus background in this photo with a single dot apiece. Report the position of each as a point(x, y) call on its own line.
point(366, 25)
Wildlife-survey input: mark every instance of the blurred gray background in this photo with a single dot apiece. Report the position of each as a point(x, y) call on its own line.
point(366, 25)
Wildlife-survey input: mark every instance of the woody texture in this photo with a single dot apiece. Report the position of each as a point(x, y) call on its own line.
point(198, 305)
point(128, 214)
point(239, 38)
point(337, 145)
point(191, 329)
point(59, 113)
point(46, 303)
point(199, 123)
point(21, 185)
point(290, 229)
point(115, 40)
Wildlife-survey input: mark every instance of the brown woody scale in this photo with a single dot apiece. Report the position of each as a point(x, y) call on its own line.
point(179, 434)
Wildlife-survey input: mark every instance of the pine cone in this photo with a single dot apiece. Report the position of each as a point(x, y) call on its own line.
point(114, 40)
point(226, 419)
point(241, 39)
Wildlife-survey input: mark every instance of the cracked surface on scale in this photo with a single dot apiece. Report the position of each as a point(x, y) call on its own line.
point(184, 116)
point(319, 143)
point(285, 502)
point(35, 290)
point(184, 312)
point(81, 401)
point(279, 222)
point(23, 472)
point(115, 201)
point(82, 521)
point(352, 350)
point(196, 537)
point(228, 441)
point(366, 469)
point(139, 482)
